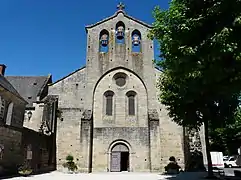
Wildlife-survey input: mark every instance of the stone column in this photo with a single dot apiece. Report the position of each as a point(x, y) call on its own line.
point(87, 140)
point(154, 140)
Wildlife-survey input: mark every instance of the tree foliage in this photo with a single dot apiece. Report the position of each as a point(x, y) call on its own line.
point(201, 60)
point(227, 138)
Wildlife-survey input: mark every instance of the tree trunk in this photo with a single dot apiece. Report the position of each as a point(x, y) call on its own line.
point(210, 168)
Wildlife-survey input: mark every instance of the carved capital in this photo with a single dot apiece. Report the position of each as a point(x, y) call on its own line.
point(153, 114)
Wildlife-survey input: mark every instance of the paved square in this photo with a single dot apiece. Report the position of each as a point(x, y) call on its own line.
point(112, 176)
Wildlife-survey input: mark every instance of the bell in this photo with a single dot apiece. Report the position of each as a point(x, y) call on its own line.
point(120, 32)
point(136, 40)
point(104, 40)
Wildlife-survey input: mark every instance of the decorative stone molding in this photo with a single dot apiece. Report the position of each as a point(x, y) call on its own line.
point(153, 115)
point(87, 114)
point(49, 115)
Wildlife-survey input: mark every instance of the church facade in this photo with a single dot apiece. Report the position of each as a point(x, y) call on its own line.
point(111, 117)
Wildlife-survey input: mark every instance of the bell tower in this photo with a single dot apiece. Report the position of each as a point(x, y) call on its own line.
point(122, 42)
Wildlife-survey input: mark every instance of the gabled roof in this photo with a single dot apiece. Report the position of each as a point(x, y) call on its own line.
point(29, 87)
point(9, 87)
point(115, 15)
point(66, 76)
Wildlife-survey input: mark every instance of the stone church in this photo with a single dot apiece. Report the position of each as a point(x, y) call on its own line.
point(111, 118)
point(109, 114)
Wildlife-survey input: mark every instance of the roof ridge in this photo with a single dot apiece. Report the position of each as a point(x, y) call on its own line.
point(13, 89)
point(114, 15)
point(66, 76)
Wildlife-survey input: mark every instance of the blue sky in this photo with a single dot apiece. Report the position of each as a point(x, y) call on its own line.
point(40, 37)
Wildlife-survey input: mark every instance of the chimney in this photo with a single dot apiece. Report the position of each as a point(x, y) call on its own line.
point(2, 69)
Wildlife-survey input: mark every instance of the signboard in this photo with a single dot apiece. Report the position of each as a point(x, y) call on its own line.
point(29, 152)
point(29, 155)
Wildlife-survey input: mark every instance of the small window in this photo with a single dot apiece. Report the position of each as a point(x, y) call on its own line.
point(231, 159)
point(131, 95)
point(109, 103)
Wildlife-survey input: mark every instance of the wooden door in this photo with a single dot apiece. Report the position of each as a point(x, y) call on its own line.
point(115, 162)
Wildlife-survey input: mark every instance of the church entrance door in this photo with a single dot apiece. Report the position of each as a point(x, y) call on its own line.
point(119, 158)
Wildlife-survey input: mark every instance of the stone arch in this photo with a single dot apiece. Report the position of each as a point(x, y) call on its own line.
point(106, 82)
point(121, 143)
point(119, 67)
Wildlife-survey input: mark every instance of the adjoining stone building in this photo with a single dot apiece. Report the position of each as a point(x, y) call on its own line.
point(111, 118)
point(36, 133)
point(12, 107)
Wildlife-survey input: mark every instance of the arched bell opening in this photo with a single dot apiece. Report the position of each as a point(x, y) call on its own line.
point(136, 41)
point(120, 33)
point(104, 41)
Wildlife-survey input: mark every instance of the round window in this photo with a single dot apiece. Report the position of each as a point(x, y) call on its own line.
point(120, 79)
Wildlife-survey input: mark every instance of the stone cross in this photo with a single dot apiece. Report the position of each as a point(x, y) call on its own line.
point(120, 6)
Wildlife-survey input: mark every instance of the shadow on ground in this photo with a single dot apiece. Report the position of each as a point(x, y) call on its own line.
point(10, 176)
point(187, 176)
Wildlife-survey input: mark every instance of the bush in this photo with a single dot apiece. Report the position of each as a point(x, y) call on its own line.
point(69, 158)
point(70, 164)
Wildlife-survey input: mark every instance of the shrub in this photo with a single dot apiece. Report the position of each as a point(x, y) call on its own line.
point(70, 164)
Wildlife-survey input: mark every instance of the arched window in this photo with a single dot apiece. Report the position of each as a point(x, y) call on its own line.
point(136, 41)
point(9, 114)
point(104, 41)
point(2, 108)
point(120, 33)
point(109, 103)
point(131, 95)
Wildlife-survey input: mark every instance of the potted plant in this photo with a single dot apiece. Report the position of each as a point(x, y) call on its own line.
point(70, 164)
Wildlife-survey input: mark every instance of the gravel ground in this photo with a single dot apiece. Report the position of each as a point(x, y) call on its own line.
point(112, 176)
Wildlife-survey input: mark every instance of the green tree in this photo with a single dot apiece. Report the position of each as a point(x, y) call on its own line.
point(228, 137)
point(201, 62)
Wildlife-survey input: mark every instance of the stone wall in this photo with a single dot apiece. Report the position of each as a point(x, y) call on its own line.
point(10, 141)
point(171, 135)
point(11, 133)
point(42, 150)
point(70, 91)
point(137, 139)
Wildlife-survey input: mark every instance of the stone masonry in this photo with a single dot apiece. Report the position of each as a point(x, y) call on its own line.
point(85, 129)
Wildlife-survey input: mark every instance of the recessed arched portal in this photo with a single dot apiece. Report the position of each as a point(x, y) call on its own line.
point(119, 158)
